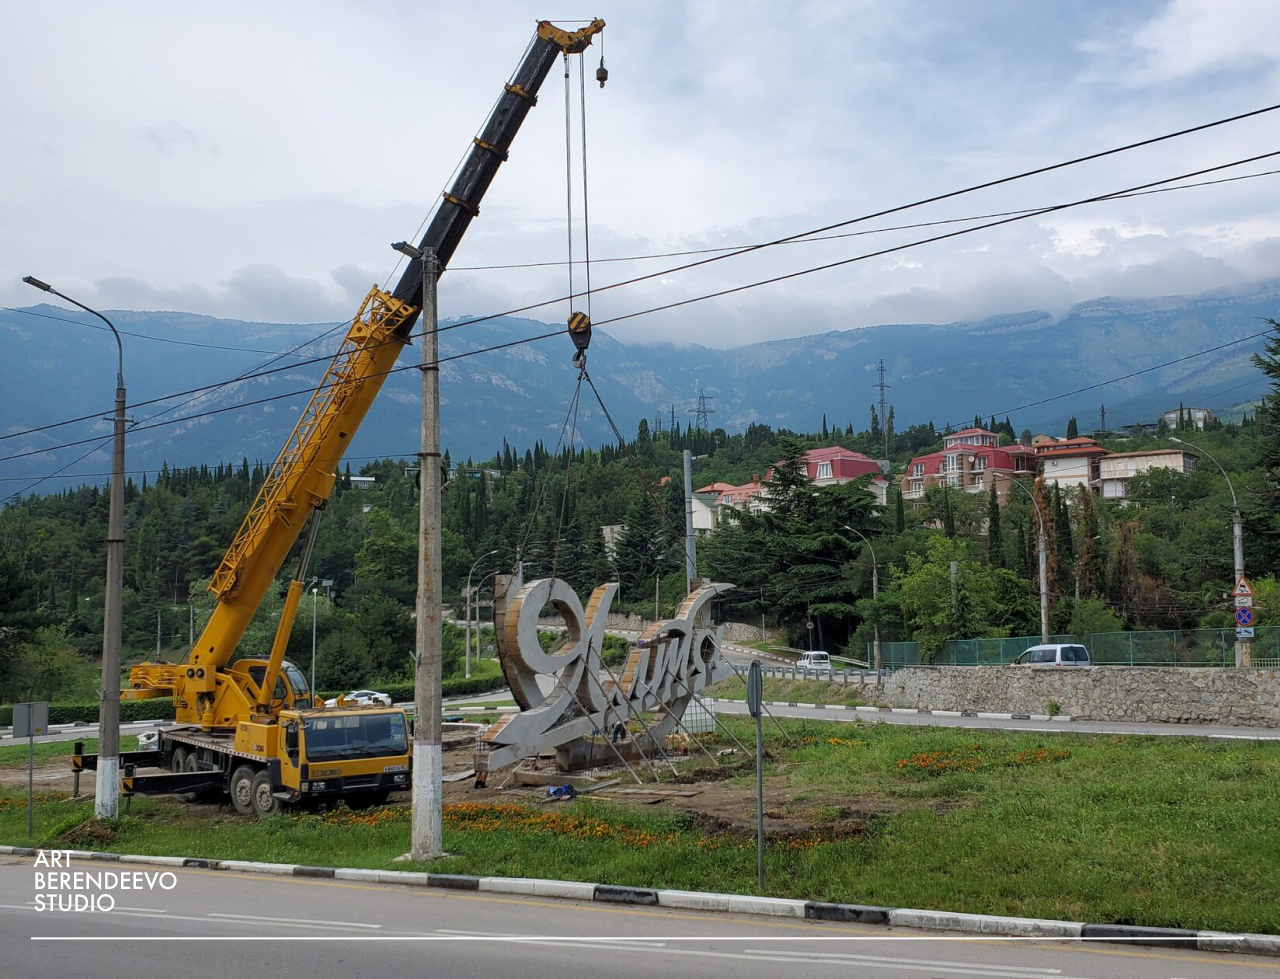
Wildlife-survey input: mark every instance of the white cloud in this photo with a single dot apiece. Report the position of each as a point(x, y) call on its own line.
point(261, 172)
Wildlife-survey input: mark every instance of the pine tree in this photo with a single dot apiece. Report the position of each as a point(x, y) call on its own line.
point(995, 536)
point(875, 426)
point(825, 434)
point(899, 514)
point(1073, 430)
point(948, 518)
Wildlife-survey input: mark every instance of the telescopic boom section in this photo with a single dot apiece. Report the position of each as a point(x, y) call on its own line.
point(302, 478)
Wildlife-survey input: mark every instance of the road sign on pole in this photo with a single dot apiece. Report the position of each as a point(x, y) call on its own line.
point(28, 721)
point(1243, 588)
point(1244, 632)
point(755, 692)
point(1244, 601)
point(1244, 616)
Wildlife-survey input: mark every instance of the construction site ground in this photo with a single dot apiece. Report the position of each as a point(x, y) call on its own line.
point(721, 800)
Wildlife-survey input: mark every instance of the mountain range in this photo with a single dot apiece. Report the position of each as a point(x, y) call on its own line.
point(1016, 364)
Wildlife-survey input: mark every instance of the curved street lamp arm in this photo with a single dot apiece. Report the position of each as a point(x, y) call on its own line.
point(1234, 504)
point(31, 280)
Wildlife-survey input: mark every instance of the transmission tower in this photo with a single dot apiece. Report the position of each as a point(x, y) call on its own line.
point(657, 422)
point(672, 429)
point(884, 407)
point(1102, 412)
point(704, 409)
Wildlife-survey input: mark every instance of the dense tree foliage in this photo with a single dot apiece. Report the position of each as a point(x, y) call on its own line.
point(1163, 559)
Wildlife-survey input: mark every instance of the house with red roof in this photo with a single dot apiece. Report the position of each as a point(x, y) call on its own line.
point(1071, 462)
point(971, 460)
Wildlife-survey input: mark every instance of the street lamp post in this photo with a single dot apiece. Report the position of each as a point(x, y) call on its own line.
point(875, 592)
point(467, 612)
point(1244, 649)
point(1043, 548)
point(107, 784)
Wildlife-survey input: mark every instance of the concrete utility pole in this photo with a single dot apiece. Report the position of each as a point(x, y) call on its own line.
point(690, 543)
point(427, 756)
point(107, 784)
point(1043, 548)
point(467, 602)
point(1244, 648)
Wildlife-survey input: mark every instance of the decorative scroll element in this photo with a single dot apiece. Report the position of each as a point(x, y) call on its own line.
point(567, 695)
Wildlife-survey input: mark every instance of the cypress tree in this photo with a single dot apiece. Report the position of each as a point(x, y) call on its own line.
point(899, 515)
point(995, 536)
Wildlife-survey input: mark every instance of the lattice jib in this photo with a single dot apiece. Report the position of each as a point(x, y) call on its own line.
point(376, 324)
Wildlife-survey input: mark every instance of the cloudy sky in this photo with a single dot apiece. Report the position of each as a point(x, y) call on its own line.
point(253, 160)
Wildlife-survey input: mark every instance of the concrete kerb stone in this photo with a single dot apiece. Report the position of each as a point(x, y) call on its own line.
point(253, 867)
point(984, 924)
point(1138, 935)
point(616, 894)
point(864, 913)
point(1206, 941)
point(1225, 941)
point(356, 873)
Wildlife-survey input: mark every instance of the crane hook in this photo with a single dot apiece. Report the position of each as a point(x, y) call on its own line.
point(602, 73)
point(580, 333)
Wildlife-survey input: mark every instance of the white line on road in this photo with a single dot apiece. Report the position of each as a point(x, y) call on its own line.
point(928, 962)
point(517, 937)
point(311, 922)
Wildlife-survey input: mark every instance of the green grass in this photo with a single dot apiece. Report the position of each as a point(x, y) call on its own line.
point(16, 756)
point(793, 691)
point(1175, 832)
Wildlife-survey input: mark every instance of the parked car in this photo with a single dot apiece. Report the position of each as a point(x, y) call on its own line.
point(1055, 654)
point(816, 660)
point(361, 698)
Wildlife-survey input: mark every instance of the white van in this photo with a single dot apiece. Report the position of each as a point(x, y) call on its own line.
point(1055, 654)
point(817, 661)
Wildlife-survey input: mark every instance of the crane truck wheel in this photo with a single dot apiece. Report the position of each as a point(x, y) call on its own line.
point(264, 803)
point(178, 760)
point(242, 790)
point(189, 765)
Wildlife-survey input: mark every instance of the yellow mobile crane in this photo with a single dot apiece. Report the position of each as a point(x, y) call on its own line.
point(252, 728)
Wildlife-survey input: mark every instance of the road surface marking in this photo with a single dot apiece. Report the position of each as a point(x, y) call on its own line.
point(518, 936)
point(922, 962)
point(815, 928)
point(309, 922)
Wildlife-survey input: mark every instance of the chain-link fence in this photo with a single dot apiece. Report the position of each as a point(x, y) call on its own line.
point(1172, 647)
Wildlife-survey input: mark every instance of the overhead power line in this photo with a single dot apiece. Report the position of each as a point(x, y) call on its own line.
point(558, 332)
point(853, 234)
point(785, 240)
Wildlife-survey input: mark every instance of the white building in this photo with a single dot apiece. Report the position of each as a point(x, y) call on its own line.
point(1117, 469)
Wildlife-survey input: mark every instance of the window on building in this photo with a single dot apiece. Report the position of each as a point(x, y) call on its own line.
point(824, 470)
point(917, 469)
point(979, 463)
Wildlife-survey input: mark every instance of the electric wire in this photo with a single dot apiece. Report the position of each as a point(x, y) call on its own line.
point(858, 234)
point(627, 316)
point(802, 235)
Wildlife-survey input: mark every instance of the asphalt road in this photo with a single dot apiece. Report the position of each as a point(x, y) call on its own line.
point(1001, 724)
point(217, 923)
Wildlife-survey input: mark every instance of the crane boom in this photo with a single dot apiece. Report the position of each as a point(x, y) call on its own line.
point(302, 477)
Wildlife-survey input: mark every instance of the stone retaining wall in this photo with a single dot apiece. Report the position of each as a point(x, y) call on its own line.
point(1248, 698)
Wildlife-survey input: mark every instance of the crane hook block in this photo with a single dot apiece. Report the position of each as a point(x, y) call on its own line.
point(580, 333)
point(602, 73)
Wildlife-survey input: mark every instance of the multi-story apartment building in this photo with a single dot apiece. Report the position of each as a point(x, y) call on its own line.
point(1070, 462)
point(971, 460)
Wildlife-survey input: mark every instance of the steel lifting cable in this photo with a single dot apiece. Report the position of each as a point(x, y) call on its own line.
point(568, 172)
point(564, 497)
point(676, 535)
point(586, 214)
point(571, 417)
